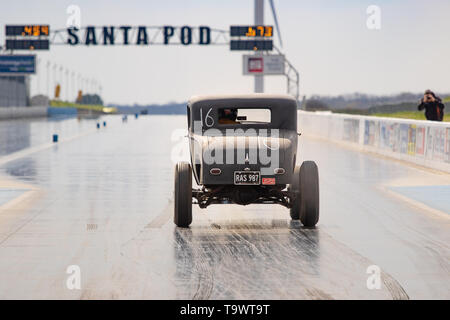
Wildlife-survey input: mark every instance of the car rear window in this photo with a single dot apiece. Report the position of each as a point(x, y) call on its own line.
point(244, 115)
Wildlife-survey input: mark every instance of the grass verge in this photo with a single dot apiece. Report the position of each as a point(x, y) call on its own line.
point(97, 108)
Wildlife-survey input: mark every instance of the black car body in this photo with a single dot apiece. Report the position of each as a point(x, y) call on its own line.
point(205, 111)
point(243, 150)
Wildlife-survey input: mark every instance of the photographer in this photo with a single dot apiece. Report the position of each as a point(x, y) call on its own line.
point(434, 108)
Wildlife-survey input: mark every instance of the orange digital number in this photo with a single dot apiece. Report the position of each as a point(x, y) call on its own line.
point(261, 30)
point(44, 30)
point(268, 32)
point(36, 31)
point(250, 32)
point(27, 30)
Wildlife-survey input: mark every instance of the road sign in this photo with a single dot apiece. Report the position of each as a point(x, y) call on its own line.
point(17, 64)
point(264, 65)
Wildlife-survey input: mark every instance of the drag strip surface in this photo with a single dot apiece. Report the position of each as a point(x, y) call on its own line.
point(106, 207)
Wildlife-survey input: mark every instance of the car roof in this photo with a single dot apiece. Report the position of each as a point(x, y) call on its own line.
point(283, 107)
point(242, 97)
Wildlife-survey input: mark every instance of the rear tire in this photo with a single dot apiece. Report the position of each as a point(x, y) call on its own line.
point(183, 195)
point(305, 184)
point(295, 187)
point(309, 194)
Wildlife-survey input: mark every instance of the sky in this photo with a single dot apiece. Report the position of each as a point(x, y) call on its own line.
point(327, 41)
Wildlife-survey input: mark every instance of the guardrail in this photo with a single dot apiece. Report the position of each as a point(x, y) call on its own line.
point(426, 143)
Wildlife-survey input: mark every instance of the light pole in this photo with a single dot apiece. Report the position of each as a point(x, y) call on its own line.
point(67, 84)
point(95, 86)
point(259, 21)
point(48, 79)
point(79, 82)
point(60, 80)
point(72, 88)
point(37, 78)
point(55, 67)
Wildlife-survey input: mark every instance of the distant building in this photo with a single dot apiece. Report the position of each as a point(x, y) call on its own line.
point(39, 100)
point(14, 91)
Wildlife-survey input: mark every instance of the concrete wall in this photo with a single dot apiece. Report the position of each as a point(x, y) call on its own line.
point(36, 112)
point(426, 143)
point(22, 112)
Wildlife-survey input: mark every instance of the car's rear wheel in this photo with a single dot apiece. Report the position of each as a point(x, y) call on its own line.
point(183, 195)
point(295, 187)
point(309, 194)
point(306, 202)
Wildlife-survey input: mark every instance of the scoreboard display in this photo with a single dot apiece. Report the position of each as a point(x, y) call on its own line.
point(27, 37)
point(28, 30)
point(24, 44)
point(251, 45)
point(251, 31)
point(251, 38)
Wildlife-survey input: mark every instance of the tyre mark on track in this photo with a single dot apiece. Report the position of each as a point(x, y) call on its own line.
point(317, 294)
point(248, 259)
point(254, 259)
point(201, 268)
point(395, 289)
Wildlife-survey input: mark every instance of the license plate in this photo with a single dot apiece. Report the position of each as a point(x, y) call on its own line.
point(247, 177)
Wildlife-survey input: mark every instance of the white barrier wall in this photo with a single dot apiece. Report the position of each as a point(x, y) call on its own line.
point(425, 143)
point(22, 112)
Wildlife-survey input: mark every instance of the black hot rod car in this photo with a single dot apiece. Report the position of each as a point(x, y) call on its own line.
point(243, 150)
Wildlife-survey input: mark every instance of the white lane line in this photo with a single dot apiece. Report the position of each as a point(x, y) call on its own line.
point(357, 148)
point(8, 184)
point(18, 199)
point(26, 152)
point(7, 194)
point(420, 205)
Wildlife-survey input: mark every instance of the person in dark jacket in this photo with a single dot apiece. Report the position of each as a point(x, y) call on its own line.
point(434, 108)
